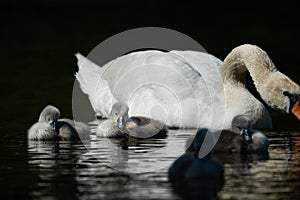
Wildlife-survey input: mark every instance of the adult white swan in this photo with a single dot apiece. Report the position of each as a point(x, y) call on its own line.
point(130, 78)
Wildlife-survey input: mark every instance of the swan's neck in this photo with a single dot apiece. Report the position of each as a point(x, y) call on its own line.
point(247, 58)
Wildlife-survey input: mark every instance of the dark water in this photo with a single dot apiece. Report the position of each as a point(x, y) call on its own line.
point(99, 169)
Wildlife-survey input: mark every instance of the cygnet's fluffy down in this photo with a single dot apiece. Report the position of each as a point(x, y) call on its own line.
point(240, 139)
point(50, 127)
point(120, 124)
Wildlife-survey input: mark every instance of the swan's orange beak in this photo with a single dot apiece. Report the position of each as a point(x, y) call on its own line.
point(296, 109)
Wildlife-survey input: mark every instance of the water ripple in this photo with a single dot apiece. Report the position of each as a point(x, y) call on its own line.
point(89, 170)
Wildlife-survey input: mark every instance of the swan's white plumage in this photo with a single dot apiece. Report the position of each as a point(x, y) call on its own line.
point(177, 71)
point(187, 88)
point(89, 78)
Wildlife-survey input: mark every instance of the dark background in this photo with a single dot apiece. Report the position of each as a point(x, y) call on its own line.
point(39, 38)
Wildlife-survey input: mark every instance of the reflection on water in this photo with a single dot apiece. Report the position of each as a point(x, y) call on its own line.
point(99, 169)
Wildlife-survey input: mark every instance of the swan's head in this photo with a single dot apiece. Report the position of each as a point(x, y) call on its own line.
point(49, 114)
point(242, 125)
point(294, 103)
point(282, 94)
point(275, 88)
point(119, 113)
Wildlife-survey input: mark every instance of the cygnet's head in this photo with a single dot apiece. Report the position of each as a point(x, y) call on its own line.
point(119, 113)
point(242, 124)
point(49, 114)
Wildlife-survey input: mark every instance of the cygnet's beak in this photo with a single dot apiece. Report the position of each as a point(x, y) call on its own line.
point(53, 123)
point(246, 135)
point(120, 123)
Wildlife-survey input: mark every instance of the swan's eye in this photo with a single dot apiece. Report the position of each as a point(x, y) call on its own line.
point(98, 117)
point(286, 93)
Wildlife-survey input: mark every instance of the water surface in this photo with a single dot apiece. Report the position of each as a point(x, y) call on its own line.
point(99, 169)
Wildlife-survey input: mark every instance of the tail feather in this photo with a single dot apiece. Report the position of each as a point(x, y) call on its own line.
point(88, 74)
point(91, 83)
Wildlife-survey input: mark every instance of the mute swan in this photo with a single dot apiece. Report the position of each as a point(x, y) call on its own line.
point(135, 126)
point(190, 167)
point(50, 127)
point(105, 86)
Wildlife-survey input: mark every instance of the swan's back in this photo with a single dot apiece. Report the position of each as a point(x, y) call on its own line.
point(167, 86)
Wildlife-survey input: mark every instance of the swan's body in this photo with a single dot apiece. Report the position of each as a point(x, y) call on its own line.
point(50, 127)
point(186, 73)
point(190, 167)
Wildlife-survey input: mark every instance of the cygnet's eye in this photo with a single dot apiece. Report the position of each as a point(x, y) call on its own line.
point(239, 127)
point(116, 113)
